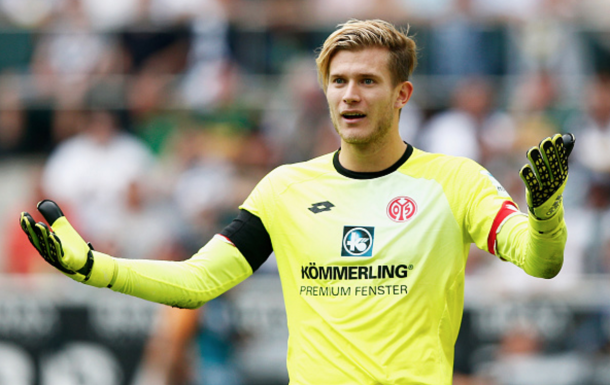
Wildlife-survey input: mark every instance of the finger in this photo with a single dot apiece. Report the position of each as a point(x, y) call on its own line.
point(53, 250)
point(57, 252)
point(41, 232)
point(50, 211)
point(568, 141)
point(27, 225)
point(532, 184)
point(539, 166)
point(562, 152)
point(551, 158)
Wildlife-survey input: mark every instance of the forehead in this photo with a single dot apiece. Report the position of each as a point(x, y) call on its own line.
point(373, 60)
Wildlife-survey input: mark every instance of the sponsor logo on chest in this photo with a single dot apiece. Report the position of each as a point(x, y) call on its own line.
point(357, 241)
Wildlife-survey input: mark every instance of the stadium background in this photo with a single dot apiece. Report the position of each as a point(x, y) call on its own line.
point(150, 121)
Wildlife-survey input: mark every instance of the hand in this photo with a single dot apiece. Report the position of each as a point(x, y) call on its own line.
point(62, 247)
point(546, 178)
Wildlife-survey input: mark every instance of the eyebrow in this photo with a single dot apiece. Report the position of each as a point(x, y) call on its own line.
point(362, 75)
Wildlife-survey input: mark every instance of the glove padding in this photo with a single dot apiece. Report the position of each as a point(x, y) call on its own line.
point(546, 178)
point(62, 247)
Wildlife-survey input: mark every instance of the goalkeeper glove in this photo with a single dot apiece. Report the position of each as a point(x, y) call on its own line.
point(546, 178)
point(63, 247)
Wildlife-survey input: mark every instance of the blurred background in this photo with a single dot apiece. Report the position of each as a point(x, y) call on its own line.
point(150, 121)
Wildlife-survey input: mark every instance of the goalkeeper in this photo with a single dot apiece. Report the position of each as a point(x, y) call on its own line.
point(371, 241)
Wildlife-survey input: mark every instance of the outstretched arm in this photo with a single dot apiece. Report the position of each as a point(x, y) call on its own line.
point(214, 269)
point(536, 243)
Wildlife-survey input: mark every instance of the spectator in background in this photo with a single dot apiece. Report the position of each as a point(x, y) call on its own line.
point(595, 231)
point(295, 121)
point(546, 39)
point(193, 347)
point(460, 43)
point(13, 127)
point(595, 15)
point(202, 190)
point(198, 174)
point(156, 49)
point(472, 126)
point(156, 44)
point(66, 55)
point(185, 62)
point(93, 171)
point(112, 15)
point(167, 358)
point(425, 11)
point(534, 107)
point(594, 127)
point(329, 13)
point(207, 73)
point(148, 228)
point(520, 359)
point(28, 14)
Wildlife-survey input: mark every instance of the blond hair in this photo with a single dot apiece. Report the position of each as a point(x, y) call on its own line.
point(360, 34)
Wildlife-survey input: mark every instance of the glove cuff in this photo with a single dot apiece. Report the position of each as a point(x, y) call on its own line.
point(86, 270)
point(548, 225)
point(104, 271)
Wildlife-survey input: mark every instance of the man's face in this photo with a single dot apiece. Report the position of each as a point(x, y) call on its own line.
point(364, 103)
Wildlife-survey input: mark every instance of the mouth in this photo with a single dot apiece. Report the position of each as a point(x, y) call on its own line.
point(353, 116)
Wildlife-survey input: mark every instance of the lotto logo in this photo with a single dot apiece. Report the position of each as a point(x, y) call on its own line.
point(357, 241)
point(401, 209)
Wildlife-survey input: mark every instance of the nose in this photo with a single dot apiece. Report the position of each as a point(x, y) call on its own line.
point(351, 94)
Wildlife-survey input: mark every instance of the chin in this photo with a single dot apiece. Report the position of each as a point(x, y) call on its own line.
point(356, 139)
point(352, 136)
point(359, 138)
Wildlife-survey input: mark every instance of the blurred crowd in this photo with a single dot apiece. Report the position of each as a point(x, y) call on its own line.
point(150, 121)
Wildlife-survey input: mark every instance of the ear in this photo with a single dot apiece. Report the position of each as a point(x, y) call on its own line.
point(405, 90)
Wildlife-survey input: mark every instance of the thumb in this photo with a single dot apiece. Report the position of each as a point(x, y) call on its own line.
point(568, 142)
point(74, 246)
point(50, 211)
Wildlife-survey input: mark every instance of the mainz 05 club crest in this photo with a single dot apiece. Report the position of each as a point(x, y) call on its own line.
point(401, 209)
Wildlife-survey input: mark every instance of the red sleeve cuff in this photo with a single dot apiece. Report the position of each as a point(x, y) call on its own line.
point(508, 209)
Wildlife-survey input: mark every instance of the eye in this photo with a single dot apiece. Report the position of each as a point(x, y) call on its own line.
point(368, 81)
point(338, 81)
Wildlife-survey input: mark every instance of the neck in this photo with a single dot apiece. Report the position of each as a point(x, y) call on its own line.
point(371, 157)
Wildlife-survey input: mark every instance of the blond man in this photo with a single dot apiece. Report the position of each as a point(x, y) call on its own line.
point(371, 241)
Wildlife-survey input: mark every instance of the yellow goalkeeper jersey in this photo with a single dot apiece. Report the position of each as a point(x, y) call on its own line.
point(372, 264)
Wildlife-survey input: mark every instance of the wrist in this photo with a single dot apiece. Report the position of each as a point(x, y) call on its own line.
point(547, 225)
point(104, 270)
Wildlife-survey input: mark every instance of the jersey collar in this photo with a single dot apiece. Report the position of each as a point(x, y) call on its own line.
point(371, 175)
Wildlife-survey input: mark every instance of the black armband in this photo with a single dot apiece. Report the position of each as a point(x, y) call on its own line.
point(249, 235)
